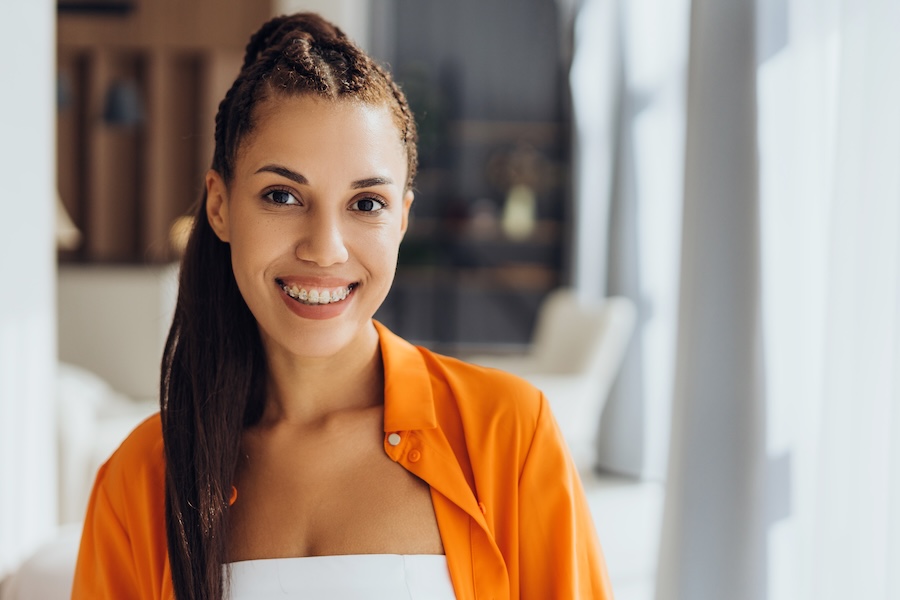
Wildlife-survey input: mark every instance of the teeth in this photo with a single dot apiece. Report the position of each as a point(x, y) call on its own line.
point(316, 296)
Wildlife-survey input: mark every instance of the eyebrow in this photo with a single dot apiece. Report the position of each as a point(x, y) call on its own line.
point(300, 179)
point(371, 182)
point(284, 172)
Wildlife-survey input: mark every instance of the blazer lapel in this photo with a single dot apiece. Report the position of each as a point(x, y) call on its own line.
point(421, 447)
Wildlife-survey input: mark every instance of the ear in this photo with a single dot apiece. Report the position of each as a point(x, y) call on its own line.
point(408, 198)
point(217, 204)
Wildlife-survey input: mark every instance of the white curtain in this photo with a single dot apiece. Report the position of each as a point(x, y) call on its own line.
point(714, 526)
point(786, 485)
point(829, 105)
point(784, 464)
point(627, 83)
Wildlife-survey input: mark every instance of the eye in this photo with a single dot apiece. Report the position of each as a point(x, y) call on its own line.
point(282, 197)
point(368, 205)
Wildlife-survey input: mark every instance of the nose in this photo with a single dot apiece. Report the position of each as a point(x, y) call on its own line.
point(322, 240)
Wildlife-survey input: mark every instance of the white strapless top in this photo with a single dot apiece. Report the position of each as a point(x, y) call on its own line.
point(344, 577)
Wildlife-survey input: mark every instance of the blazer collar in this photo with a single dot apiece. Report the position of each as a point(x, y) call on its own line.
point(408, 397)
point(409, 406)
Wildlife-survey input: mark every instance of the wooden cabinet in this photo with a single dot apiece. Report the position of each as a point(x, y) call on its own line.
point(137, 96)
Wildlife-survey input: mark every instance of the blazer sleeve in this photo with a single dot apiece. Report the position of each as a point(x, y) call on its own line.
point(559, 553)
point(105, 567)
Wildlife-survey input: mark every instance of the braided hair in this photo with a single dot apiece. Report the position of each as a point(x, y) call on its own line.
point(212, 381)
point(304, 54)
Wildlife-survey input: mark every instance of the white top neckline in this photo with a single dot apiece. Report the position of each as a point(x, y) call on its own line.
point(343, 577)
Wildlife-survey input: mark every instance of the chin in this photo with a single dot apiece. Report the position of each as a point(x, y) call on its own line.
point(320, 339)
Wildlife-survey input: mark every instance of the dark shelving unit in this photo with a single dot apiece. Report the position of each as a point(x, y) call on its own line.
point(487, 240)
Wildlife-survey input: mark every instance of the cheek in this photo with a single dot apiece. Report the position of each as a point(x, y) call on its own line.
point(254, 237)
point(384, 246)
point(254, 246)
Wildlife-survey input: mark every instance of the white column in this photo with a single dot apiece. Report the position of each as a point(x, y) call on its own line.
point(713, 542)
point(594, 79)
point(27, 276)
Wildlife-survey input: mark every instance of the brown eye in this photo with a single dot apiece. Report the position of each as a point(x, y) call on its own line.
point(281, 197)
point(369, 205)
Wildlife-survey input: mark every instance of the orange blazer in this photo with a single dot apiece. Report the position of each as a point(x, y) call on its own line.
point(510, 507)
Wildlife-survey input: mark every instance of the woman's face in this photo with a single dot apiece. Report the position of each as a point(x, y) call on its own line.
point(314, 216)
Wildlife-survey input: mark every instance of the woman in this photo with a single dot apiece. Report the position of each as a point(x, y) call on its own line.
point(301, 446)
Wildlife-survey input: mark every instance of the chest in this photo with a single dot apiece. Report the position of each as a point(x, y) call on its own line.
point(329, 492)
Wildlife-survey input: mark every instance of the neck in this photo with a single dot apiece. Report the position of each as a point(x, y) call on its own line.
point(304, 390)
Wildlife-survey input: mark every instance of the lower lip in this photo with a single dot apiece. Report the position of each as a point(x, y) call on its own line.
point(317, 311)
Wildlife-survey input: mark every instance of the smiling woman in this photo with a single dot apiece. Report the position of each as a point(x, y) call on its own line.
point(301, 445)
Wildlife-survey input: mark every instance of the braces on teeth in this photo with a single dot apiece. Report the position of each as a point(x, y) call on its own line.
point(317, 296)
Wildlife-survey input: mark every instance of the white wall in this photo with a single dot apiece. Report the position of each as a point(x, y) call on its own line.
point(27, 277)
point(114, 320)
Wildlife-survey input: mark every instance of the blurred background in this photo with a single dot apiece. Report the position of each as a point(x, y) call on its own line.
point(680, 218)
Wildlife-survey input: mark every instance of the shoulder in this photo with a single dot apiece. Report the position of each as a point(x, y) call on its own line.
point(144, 445)
point(483, 381)
point(123, 543)
point(485, 393)
point(138, 465)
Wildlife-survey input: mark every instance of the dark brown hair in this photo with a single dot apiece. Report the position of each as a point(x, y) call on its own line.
point(212, 383)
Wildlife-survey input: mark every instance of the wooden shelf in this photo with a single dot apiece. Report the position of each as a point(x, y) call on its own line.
point(174, 24)
point(125, 175)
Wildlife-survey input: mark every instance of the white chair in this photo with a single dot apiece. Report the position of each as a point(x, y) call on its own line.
point(576, 350)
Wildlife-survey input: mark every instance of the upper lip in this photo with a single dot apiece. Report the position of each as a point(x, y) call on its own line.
point(314, 282)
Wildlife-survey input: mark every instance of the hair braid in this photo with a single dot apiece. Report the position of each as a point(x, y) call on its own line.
point(261, 40)
point(213, 368)
point(410, 134)
point(303, 54)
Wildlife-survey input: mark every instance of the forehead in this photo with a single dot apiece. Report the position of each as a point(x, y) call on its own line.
point(305, 124)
